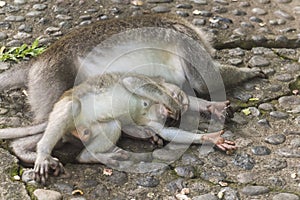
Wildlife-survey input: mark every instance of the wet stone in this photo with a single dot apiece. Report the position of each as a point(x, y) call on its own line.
point(176, 185)
point(161, 9)
point(255, 19)
point(185, 171)
point(235, 61)
point(63, 17)
point(199, 22)
point(244, 161)
point(278, 114)
point(276, 181)
point(3, 36)
point(201, 2)
point(284, 77)
point(22, 36)
point(13, 18)
point(260, 150)
point(159, 1)
point(264, 1)
point(242, 96)
point(295, 142)
point(247, 177)
point(5, 25)
point(217, 162)
point(259, 11)
point(264, 122)
point(282, 14)
point(39, 7)
point(47, 194)
point(247, 25)
point(184, 6)
point(213, 176)
point(34, 14)
point(285, 196)
point(205, 13)
point(258, 61)
point(288, 152)
point(275, 139)
point(149, 181)
point(207, 196)
point(293, 67)
point(266, 107)
point(288, 101)
point(255, 190)
point(236, 52)
point(244, 4)
point(239, 12)
point(190, 159)
point(276, 164)
point(182, 13)
point(118, 178)
point(219, 9)
point(25, 28)
point(259, 38)
point(281, 39)
point(268, 71)
point(222, 2)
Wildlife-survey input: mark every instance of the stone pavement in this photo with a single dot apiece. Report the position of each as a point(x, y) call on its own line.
point(266, 126)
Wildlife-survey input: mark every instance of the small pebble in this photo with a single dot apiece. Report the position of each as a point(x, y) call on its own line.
point(185, 171)
point(264, 1)
point(244, 161)
point(261, 150)
point(39, 7)
point(295, 142)
point(259, 11)
point(213, 176)
point(284, 77)
point(13, 18)
point(3, 36)
point(219, 9)
point(275, 139)
point(199, 22)
point(34, 14)
point(256, 19)
point(278, 114)
point(207, 196)
point(239, 12)
point(182, 13)
point(285, 196)
point(149, 181)
point(258, 61)
point(184, 6)
point(235, 61)
point(236, 52)
point(284, 15)
point(200, 2)
point(161, 9)
point(276, 164)
point(47, 194)
point(264, 122)
point(266, 107)
point(159, 1)
point(63, 17)
point(176, 185)
point(255, 190)
point(288, 152)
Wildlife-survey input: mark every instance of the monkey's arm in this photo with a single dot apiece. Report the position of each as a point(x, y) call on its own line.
point(185, 137)
point(60, 122)
point(11, 133)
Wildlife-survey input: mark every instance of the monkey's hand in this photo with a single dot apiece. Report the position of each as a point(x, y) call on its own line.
point(220, 110)
point(219, 141)
point(44, 165)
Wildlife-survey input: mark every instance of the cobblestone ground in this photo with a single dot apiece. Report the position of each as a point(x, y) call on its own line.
point(266, 125)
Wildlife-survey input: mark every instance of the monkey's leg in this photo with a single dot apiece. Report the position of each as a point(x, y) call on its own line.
point(11, 133)
point(60, 122)
point(14, 77)
point(24, 148)
point(102, 148)
point(220, 110)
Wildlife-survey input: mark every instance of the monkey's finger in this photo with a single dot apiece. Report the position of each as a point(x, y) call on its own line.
point(229, 142)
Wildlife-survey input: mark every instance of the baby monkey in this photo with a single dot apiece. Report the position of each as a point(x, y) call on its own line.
point(100, 106)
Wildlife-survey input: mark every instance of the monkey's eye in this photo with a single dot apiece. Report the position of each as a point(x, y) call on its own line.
point(86, 132)
point(145, 104)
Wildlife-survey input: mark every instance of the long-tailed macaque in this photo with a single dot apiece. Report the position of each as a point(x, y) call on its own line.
point(104, 104)
point(182, 50)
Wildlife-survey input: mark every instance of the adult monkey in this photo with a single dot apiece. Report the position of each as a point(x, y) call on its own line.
point(55, 71)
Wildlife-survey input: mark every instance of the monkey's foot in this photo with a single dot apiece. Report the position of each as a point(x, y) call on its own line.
point(45, 165)
point(219, 141)
point(220, 110)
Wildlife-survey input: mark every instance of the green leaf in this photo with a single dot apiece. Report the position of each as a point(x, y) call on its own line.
point(246, 111)
point(254, 99)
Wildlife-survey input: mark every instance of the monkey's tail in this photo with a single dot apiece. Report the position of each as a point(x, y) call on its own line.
point(12, 133)
point(15, 77)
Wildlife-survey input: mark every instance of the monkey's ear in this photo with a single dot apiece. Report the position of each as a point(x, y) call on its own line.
point(145, 87)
